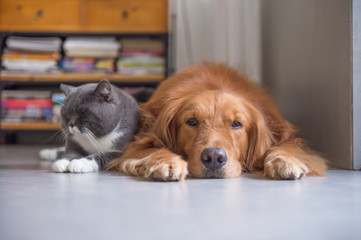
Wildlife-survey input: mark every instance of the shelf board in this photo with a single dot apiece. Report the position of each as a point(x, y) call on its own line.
point(80, 77)
point(29, 126)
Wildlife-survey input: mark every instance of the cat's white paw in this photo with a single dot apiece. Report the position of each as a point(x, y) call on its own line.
point(83, 165)
point(51, 154)
point(60, 166)
point(48, 154)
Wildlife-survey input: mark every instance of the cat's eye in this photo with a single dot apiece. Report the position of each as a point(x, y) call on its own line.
point(192, 122)
point(236, 124)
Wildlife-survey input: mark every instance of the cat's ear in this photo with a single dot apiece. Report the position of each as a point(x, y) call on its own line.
point(103, 90)
point(67, 89)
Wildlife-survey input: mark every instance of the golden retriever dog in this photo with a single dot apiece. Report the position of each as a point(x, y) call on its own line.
point(208, 121)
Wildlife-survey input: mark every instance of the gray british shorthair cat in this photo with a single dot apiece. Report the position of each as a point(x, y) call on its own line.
point(98, 120)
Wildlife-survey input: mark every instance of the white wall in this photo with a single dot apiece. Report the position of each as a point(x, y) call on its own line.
point(307, 64)
point(226, 31)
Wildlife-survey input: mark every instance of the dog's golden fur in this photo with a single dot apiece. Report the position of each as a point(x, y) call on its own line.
point(168, 148)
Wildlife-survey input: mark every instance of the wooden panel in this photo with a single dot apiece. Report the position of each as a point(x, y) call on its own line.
point(126, 15)
point(84, 15)
point(90, 77)
point(29, 126)
point(39, 15)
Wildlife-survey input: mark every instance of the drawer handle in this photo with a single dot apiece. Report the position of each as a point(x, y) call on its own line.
point(39, 13)
point(125, 14)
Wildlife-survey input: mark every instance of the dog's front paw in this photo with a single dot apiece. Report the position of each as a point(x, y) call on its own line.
point(174, 169)
point(60, 166)
point(83, 165)
point(278, 166)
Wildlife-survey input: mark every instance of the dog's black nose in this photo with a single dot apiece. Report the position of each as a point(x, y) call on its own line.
point(213, 158)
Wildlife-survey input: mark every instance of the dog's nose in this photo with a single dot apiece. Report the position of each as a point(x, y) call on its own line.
point(213, 158)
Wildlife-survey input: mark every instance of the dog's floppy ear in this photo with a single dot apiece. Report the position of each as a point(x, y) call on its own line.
point(260, 139)
point(165, 125)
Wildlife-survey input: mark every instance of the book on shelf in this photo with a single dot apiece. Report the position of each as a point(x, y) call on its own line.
point(87, 65)
point(31, 54)
point(19, 55)
point(90, 55)
point(94, 53)
point(25, 94)
point(104, 43)
point(34, 44)
point(141, 65)
point(142, 44)
point(41, 55)
point(30, 66)
point(141, 56)
point(135, 52)
point(18, 106)
point(101, 47)
point(17, 110)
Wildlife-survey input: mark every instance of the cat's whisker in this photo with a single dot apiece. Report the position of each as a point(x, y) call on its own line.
point(63, 137)
point(93, 139)
point(54, 136)
point(101, 124)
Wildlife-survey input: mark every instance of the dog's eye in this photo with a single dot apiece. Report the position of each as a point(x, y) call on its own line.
point(192, 122)
point(236, 124)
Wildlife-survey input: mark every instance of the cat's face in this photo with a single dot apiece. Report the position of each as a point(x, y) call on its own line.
point(90, 109)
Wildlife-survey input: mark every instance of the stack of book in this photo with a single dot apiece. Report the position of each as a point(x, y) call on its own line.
point(141, 56)
point(19, 106)
point(84, 54)
point(31, 55)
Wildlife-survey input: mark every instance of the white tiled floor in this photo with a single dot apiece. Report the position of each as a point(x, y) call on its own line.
point(38, 204)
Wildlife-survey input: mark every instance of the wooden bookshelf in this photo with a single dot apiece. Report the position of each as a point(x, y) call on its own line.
point(30, 126)
point(80, 77)
point(79, 18)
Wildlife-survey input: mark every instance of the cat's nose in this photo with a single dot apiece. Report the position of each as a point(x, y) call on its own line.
point(71, 123)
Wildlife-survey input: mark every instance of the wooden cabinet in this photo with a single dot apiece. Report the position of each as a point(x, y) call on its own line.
point(125, 15)
point(39, 15)
point(84, 15)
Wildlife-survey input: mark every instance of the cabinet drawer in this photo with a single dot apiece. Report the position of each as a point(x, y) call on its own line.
point(40, 15)
point(126, 15)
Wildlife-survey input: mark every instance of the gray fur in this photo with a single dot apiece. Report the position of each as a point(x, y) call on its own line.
point(102, 109)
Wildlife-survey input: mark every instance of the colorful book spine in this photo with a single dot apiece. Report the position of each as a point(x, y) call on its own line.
point(12, 55)
point(18, 109)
